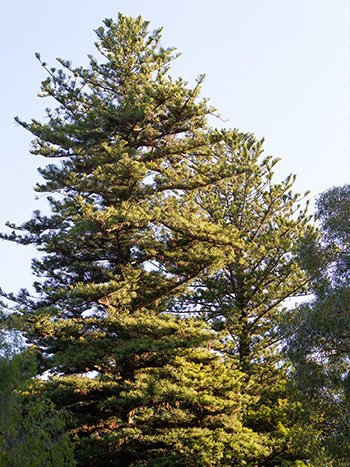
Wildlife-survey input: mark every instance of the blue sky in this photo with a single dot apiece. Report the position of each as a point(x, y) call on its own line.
point(277, 68)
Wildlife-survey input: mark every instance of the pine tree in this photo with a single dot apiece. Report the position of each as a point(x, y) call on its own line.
point(244, 298)
point(120, 240)
point(133, 224)
point(130, 139)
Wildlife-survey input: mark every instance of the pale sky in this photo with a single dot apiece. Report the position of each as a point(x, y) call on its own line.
point(276, 68)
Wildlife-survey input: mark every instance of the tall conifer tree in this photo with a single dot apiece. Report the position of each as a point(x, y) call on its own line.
point(128, 231)
point(245, 297)
point(120, 240)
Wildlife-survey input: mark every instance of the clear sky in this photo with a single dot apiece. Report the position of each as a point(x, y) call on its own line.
point(276, 68)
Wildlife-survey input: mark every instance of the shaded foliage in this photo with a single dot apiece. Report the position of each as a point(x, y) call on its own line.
point(32, 431)
point(320, 345)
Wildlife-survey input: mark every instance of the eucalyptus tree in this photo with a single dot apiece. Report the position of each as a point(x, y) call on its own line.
point(319, 341)
point(32, 431)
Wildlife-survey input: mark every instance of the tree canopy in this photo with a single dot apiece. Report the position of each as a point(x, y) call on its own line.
point(32, 431)
point(319, 347)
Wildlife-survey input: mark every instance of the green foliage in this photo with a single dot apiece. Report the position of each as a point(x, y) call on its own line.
point(147, 204)
point(183, 407)
point(132, 142)
point(32, 431)
point(245, 296)
point(320, 346)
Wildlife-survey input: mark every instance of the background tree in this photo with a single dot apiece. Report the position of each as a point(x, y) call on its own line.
point(320, 345)
point(32, 431)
